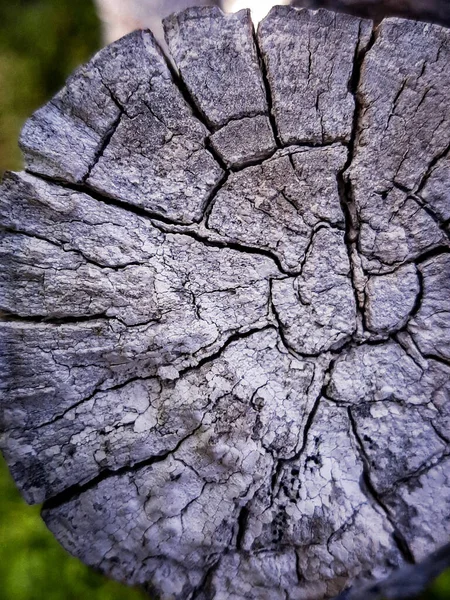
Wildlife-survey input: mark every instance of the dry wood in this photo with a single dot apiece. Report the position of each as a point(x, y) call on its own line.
point(226, 352)
point(435, 11)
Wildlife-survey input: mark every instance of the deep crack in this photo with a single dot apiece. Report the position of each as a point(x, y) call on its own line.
point(398, 537)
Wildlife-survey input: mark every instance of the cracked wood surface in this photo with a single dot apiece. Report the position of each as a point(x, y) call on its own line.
point(225, 301)
point(434, 11)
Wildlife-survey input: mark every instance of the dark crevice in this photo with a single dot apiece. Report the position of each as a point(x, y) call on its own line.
point(418, 299)
point(431, 166)
point(398, 537)
point(387, 268)
point(194, 105)
point(109, 200)
point(414, 310)
point(291, 149)
point(355, 79)
point(345, 187)
point(298, 570)
point(206, 580)
point(227, 244)
point(113, 97)
point(35, 236)
point(74, 250)
point(254, 162)
point(307, 428)
point(305, 144)
point(76, 490)
point(445, 440)
point(103, 145)
point(217, 157)
point(157, 219)
point(197, 111)
point(282, 462)
point(252, 114)
point(86, 188)
point(241, 526)
point(233, 338)
point(344, 345)
point(7, 316)
point(205, 360)
point(431, 463)
point(397, 186)
point(440, 359)
point(318, 227)
point(428, 209)
point(348, 207)
point(265, 78)
point(10, 316)
point(59, 417)
point(209, 204)
point(308, 248)
point(432, 253)
point(351, 239)
point(406, 341)
point(403, 546)
point(280, 328)
point(178, 80)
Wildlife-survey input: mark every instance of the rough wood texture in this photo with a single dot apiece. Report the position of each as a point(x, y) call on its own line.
point(120, 17)
point(435, 11)
point(226, 366)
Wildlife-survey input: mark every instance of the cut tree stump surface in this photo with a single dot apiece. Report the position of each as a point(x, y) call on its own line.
point(434, 11)
point(226, 301)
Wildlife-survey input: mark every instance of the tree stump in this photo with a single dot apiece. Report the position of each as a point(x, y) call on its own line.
point(226, 363)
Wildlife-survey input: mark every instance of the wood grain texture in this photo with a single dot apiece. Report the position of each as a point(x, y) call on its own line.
point(434, 11)
point(225, 300)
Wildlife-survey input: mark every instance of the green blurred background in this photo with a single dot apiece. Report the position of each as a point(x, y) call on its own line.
point(41, 42)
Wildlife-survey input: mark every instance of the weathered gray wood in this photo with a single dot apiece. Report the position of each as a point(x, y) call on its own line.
point(149, 153)
point(280, 204)
point(394, 159)
point(120, 17)
point(309, 57)
point(225, 57)
point(244, 141)
point(435, 11)
point(225, 346)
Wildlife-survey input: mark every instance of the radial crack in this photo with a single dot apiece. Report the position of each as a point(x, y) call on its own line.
point(398, 537)
point(79, 488)
point(263, 68)
point(103, 145)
